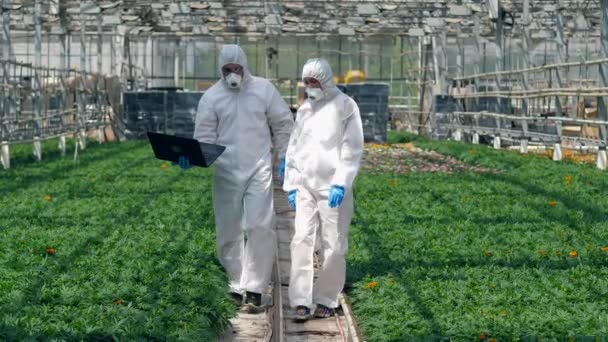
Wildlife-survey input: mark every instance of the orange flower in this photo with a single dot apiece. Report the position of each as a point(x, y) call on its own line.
point(604, 249)
point(482, 336)
point(573, 254)
point(372, 284)
point(568, 180)
point(117, 302)
point(50, 251)
point(492, 339)
point(552, 203)
point(48, 198)
point(164, 166)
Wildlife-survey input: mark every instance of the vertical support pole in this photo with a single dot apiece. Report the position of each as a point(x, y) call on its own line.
point(497, 141)
point(99, 44)
point(477, 60)
point(603, 71)
point(439, 62)
point(37, 68)
point(82, 139)
point(475, 138)
point(99, 103)
point(176, 59)
point(523, 146)
point(63, 61)
point(459, 63)
point(499, 67)
point(561, 57)
point(100, 136)
point(601, 158)
point(62, 144)
point(5, 156)
point(420, 71)
point(427, 50)
point(602, 111)
point(149, 50)
point(83, 79)
point(557, 152)
point(113, 52)
point(37, 149)
point(525, 51)
point(8, 103)
point(413, 82)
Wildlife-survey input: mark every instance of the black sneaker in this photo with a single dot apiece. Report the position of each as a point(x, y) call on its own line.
point(254, 302)
point(237, 299)
point(323, 311)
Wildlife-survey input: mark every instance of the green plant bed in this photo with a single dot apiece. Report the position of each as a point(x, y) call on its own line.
point(112, 246)
point(517, 253)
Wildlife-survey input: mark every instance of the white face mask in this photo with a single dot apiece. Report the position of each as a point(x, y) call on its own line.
point(315, 94)
point(234, 80)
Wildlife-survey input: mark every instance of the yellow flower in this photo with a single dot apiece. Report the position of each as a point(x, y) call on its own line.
point(394, 183)
point(48, 198)
point(573, 254)
point(372, 284)
point(568, 180)
point(552, 203)
point(604, 249)
point(487, 253)
point(164, 166)
point(409, 146)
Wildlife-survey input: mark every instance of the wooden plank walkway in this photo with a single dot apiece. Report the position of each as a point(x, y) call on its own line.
point(277, 323)
point(317, 330)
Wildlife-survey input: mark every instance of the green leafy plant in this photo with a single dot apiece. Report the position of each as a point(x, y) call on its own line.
point(113, 246)
point(517, 253)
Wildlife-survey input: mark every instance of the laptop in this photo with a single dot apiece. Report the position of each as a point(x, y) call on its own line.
point(170, 148)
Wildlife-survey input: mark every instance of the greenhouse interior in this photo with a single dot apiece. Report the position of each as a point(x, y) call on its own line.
point(479, 207)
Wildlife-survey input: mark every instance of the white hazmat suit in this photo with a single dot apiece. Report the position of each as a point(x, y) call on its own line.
point(241, 119)
point(325, 149)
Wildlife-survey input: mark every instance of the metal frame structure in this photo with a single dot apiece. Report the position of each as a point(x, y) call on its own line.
point(538, 55)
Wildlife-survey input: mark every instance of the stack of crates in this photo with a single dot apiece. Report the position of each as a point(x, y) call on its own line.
point(372, 99)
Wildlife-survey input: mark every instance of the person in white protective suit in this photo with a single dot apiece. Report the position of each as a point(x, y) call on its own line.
point(322, 161)
point(240, 112)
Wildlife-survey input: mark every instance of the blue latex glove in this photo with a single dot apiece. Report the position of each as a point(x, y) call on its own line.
point(336, 195)
point(281, 169)
point(183, 162)
point(291, 198)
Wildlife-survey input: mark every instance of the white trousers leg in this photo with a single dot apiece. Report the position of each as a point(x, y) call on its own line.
point(311, 210)
point(259, 229)
point(228, 208)
point(240, 210)
point(334, 239)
